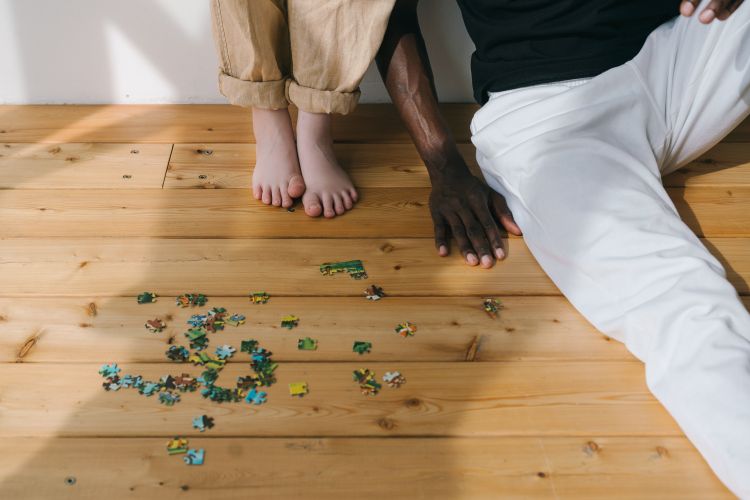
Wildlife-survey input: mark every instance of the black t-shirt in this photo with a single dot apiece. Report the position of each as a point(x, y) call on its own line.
point(525, 42)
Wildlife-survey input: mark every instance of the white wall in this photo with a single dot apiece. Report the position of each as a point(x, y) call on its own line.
point(161, 51)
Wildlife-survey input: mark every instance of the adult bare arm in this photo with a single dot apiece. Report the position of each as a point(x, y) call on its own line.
point(460, 204)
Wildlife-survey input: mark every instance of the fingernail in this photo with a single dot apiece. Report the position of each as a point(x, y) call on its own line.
point(707, 16)
point(687, 8)
point(443, 250)
point(472, 259)
point(486, 261)
point(499, 253)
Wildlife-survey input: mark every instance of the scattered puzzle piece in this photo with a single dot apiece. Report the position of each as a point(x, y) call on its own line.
point(191, 300)
point(307, 344)
point(406, 329)
point(298, 389)
point(361, 347)
point(255, 396)
point(155, 325)
point(248, 345)
point(289, 322)
point(355, 268)
point(235, 320)
point(203, 422)
point(492, 307)
point(367, 382)
point(177, 445)
point(259, 297)
point(225, 351)
point(147, 298)
point(169, 398)
point(394, 379)
point(374, 292)
point(109, 370)
point(194, 457)
point(177, 353)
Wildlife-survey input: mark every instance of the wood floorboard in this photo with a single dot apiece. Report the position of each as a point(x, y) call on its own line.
point(323, 468)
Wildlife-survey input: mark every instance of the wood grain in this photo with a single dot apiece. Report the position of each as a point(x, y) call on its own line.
point(529, 328)
point(194, 123)
point(234, 267)
point(233, 213)
point(324, 468)
point(439, 399)
point(77, 166)
point(230, 166)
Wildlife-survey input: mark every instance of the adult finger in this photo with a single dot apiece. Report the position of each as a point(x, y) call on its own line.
point(442, 243)
point(489, 224)
point(687, 7)
point(459, 233)
point(478, 238)
point(504, 215)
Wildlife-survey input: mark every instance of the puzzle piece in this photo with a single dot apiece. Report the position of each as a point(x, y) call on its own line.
point(259, 297)
point(355, 268)
point(307, 344)
point(248, 345)
point(235, 320)
point(194, 457)
point(198, 339)
point(255, 397)
point(185, 383)
point(197, 320)
point(177, 353)
point(289, 322)
point(361, 347)
point(492, 307)
point(168, 398)
point(147, 298)
point(367, 382)
point(177, 445)
point(298, 389)
point(109, 370)
point(374, 292)
point(203, 422)
point(406, 329)
point(155, 325)
point(225, 351)
point(191, 300)
point(394, 379)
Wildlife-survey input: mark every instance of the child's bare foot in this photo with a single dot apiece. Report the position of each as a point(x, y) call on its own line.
point(277, 178)
point(329, 190)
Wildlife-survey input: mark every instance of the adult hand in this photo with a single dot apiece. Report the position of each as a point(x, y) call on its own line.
point(716, 9)
point(463, 206)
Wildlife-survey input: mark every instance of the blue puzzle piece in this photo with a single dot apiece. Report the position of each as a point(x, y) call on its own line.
point(225, 351)
point(110, 370)
point(256, 397)
point(197, 320)
point(194, 457)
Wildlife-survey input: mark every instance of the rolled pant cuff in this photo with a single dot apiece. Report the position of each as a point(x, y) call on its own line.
point(321, 101)
point(265, 95)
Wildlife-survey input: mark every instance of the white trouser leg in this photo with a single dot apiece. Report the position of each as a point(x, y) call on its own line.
point(580, 168)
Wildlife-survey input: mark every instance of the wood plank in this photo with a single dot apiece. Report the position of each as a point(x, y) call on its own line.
point(180, 123)
point(403, 267)
point(233, 213)
point(89, 165)
point(176, 123)
point(61, 330)
point(519, 467)
point(230, 166)
point(439, 399)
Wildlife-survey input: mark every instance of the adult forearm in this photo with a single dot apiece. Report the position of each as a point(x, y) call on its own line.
point(405, 68)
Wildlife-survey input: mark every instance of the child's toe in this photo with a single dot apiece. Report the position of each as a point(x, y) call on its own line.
point(312, 204)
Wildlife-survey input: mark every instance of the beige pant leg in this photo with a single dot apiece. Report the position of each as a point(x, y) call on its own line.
point(252, 39)
point(333, 42)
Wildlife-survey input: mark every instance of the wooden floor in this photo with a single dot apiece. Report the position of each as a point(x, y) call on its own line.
point(101, 203)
